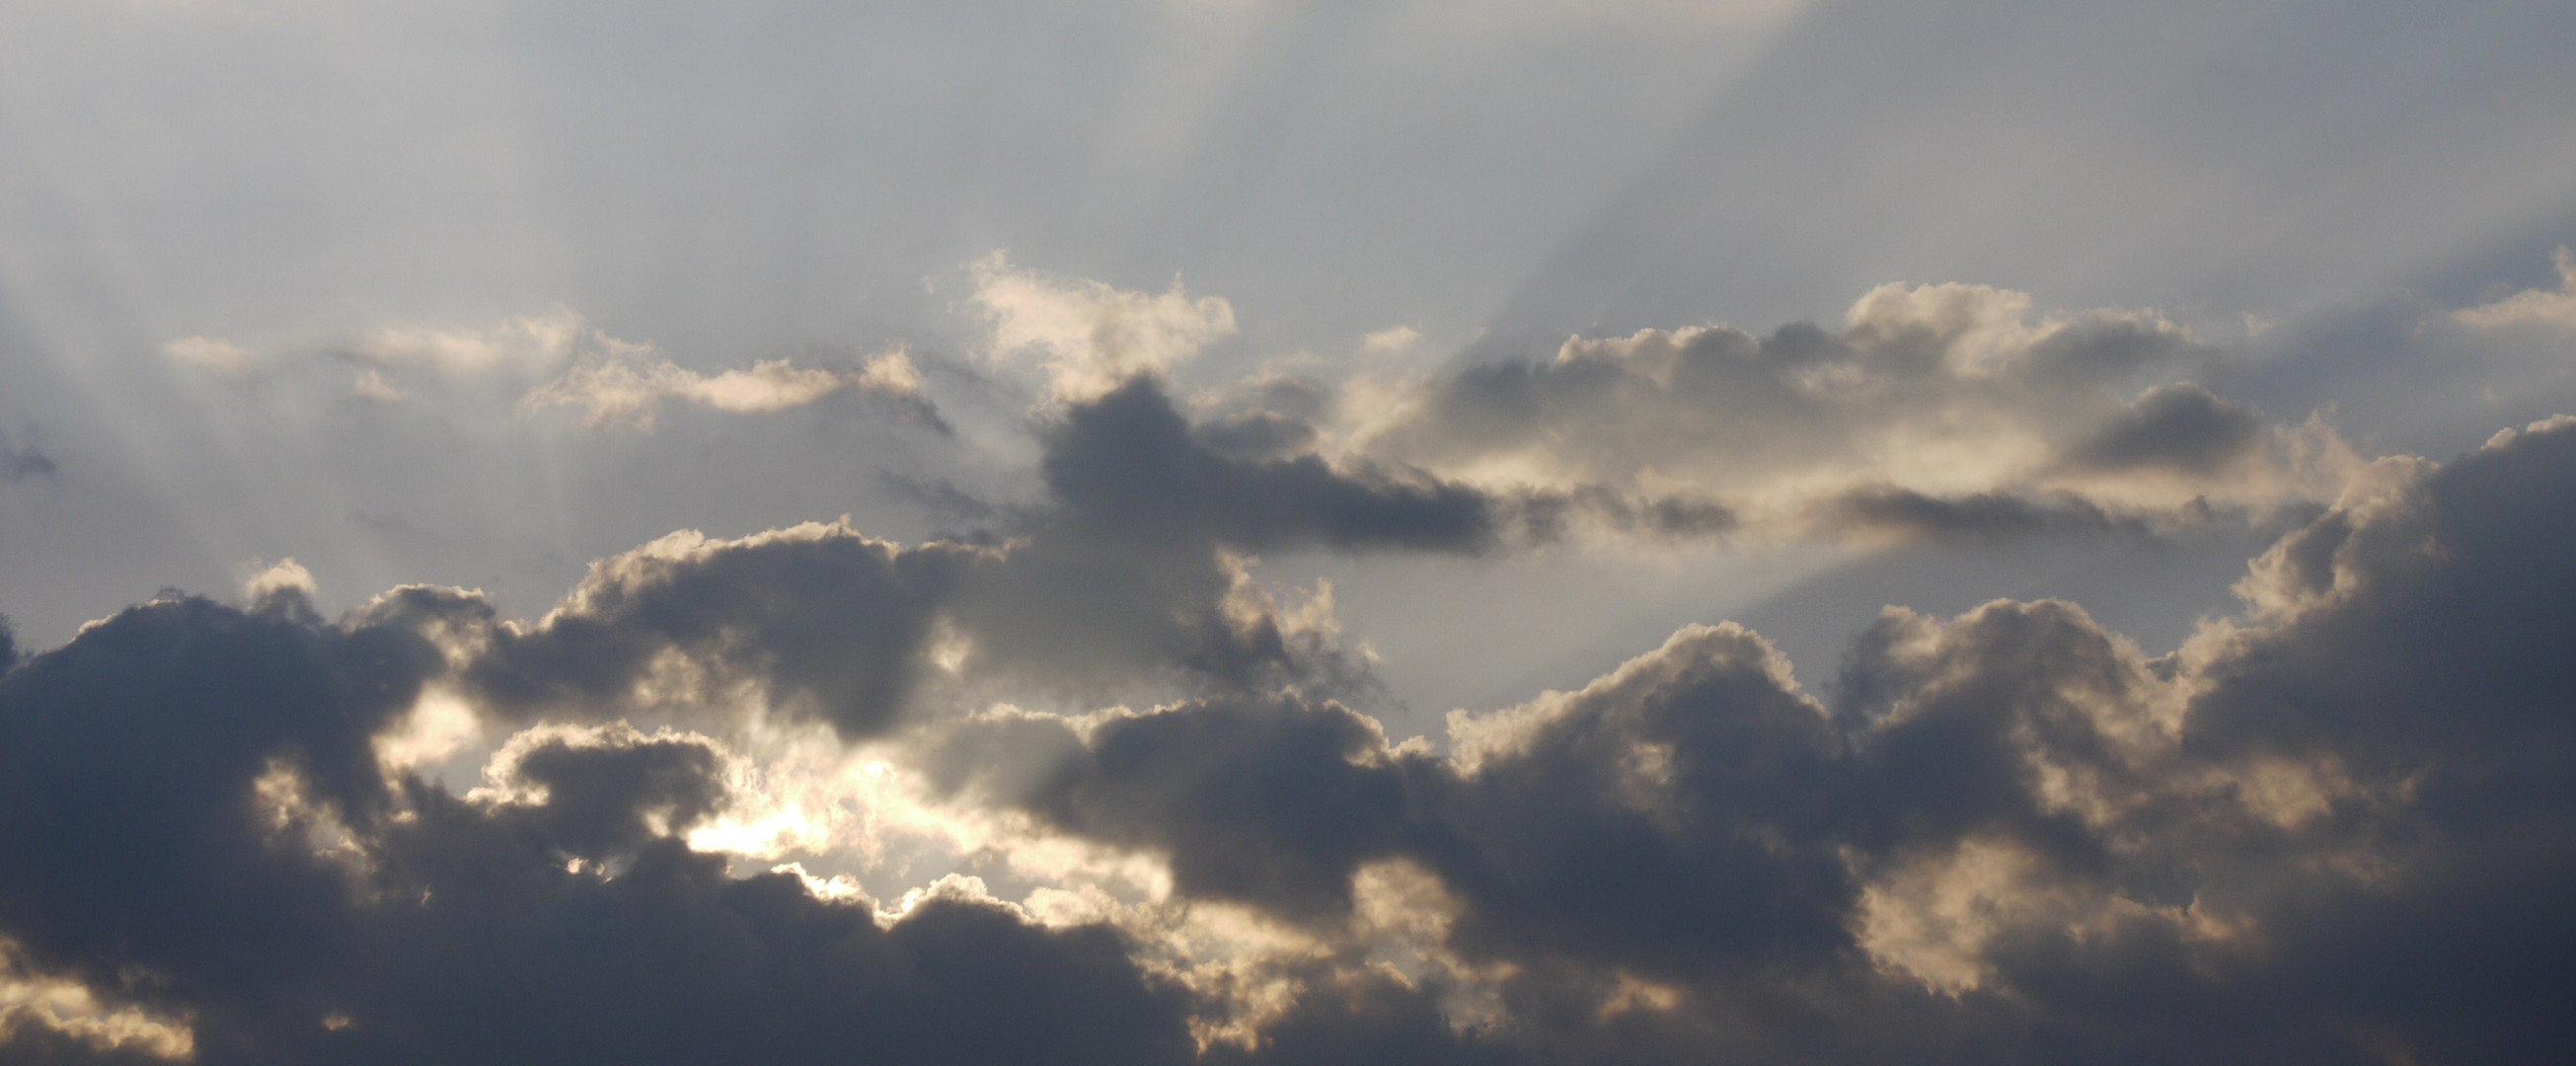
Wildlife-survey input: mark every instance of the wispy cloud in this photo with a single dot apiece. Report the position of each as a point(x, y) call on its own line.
point(2542, 308)
point(611, 391)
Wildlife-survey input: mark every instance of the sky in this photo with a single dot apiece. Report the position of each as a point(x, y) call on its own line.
point(1254, 531)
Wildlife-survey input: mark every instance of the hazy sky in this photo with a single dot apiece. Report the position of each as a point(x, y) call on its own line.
point(1493, 530)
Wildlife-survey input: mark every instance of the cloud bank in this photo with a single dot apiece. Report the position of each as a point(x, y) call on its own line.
point(1937, 408)
point(1080, 787)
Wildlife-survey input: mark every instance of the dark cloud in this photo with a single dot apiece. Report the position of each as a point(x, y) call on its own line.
point(2184, 428)
point(1366, 1017)
point(603, 800)
point(2332, 830)
point(1257, 436)
point(1268, 801)
point(1548, 515)
point(1127, 465)
point(24, 462)
point(194, 820)
point(1137, 568)
point(145, 857)
point(1887, 510)
point(2331, 827)
point(1131, 570)
point(674, 960)
point(828, 622)
point(38, 1045)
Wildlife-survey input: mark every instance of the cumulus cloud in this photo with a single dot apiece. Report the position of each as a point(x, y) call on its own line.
point(1081, 787)
point(256, 880)
point(1090, 337)
point(2330, 827)
point(285, 578)
point(816, 621)
point(2009, 831)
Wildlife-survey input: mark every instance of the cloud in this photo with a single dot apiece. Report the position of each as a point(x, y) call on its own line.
point(2530, 308)
point(2332, 825)
point(26, 462)
point(561, 360)
point(2010, 830)
point(514, 351)
point(1391, 341)
point(1090, 337)
point(523, 344)
point(242, 865)
point(48, 1019)
point(1135, 573)
point(609, 392)
point(1127, 460)
point(1956, 397)
point(221, 356)
point(815, 621)
point(1080, 786)
point(285, 581)
point(1139, 565)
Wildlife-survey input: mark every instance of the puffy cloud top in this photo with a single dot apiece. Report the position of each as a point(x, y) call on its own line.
point(1076, 786)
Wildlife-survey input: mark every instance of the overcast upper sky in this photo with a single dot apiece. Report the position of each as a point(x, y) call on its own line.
point(1500, 531)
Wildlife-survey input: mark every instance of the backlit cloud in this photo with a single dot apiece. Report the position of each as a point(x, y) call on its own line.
point(1995, 826)
point(1088, 336)
point(1940, 408)
point(2542, 308)
point(611, 392)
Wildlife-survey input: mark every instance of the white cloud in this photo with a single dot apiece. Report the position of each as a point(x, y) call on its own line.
point(609, 391)
point(2551, 309)
point(522, 345)
point(1090, 336)
point(526, 342)
point(1394, 340)
point(285, 576)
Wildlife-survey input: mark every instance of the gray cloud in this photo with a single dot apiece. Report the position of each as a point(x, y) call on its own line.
point(1162, 824)
point(1937, 408)
point(1127, 466)
point(2330, 827)
point(2007, 835)
point(2011, 831)
point(1132, 570)
point(23, 462)
point(2184, 428)
point(1986, 516)
point(1269, 801)
point(220, 847)
point(823, 622)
